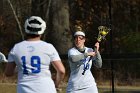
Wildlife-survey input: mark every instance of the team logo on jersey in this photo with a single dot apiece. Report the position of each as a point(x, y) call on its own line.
point(85, 63)
point(30, 48)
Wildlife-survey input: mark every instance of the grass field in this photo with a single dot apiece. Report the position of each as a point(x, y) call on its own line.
point(11, 88)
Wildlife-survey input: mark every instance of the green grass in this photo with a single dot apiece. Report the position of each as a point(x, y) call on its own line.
point(119, 89)
point(11, 88)
point(7, 88)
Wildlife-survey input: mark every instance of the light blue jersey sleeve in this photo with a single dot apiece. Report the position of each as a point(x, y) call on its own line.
point(97, 60)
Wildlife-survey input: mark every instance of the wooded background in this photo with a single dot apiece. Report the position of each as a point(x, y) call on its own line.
point(61, 17)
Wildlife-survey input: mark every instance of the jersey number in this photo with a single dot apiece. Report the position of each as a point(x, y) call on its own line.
point(35, 63)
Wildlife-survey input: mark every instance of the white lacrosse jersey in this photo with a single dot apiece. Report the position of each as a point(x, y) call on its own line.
point(77, 81)
point(33, 60)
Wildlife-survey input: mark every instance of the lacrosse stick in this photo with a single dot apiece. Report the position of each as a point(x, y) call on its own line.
point(103, 31)
point(2, 58)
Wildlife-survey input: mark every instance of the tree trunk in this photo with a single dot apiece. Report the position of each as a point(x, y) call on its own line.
point(60, 34)
point(1, 21)
point(36, 9)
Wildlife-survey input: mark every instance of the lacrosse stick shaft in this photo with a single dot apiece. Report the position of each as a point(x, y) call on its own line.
point(95, 49)
point(86, 65)
point(83, 72)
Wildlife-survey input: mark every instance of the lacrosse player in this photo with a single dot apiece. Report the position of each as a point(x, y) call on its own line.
point(80, 60)
point(33, 58)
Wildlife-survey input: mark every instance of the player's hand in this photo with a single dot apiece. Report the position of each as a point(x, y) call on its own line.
point(91, 53)
point(97, 46)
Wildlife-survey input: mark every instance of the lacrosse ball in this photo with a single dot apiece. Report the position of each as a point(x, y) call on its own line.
point(103, 33)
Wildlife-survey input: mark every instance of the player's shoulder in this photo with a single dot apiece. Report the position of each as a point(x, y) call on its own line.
point(72, 50)
point(40, 43)
point(22, 43)
point(47, 44)
point(36, 42)
point(86, 47)
point(17, 44)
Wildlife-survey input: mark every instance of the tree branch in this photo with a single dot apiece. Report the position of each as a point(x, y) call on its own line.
point(16, 19)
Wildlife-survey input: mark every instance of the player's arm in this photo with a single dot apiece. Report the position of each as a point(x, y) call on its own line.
point(10, 69)
point(60, 72)
point(98, 59)
point(77, 58)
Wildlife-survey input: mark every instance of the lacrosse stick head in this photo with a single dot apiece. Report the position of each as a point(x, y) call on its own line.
point(103, 31)
point(2, 58)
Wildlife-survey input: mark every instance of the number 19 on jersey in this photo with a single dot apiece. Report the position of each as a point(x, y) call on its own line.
point(34, 62)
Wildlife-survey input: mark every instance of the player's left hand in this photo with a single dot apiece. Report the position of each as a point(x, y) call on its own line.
point(2, 58)
point(97, 46)
point(91, 54)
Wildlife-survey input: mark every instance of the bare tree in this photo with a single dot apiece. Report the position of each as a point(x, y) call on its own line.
point(60, 32)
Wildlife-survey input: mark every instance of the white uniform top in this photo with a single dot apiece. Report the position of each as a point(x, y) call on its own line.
point(33, 59)
point(77, 81)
